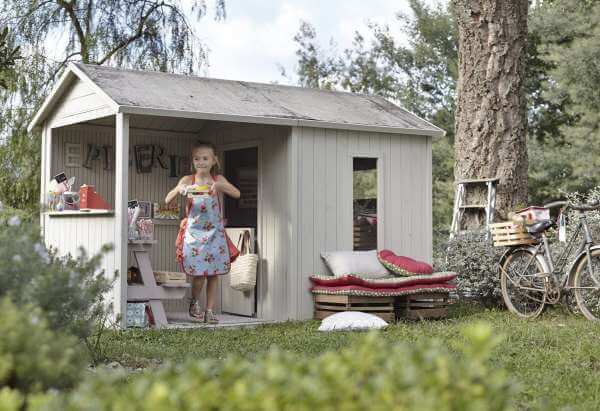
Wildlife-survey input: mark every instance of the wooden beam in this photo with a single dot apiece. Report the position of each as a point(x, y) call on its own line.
point(121, 198)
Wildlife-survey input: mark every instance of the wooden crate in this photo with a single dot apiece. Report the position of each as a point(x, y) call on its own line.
point(170, 277)
point(326, 305)
point(422, 306)
point(509, 233)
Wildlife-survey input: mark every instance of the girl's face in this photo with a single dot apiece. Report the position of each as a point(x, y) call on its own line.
point(203, 159)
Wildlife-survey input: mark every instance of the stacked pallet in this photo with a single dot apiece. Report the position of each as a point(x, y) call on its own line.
point(326, 305)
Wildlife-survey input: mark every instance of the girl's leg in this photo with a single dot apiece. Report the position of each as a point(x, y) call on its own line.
point(195, 311)
point(211, 292)
point(197, 285)
point(211, 296)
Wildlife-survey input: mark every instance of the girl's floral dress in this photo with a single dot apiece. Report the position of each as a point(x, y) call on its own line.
point(205, 251)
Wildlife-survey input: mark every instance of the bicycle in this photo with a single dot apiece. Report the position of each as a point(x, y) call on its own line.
point(530, 279)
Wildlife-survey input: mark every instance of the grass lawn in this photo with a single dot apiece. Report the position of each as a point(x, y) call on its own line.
point(555, 359)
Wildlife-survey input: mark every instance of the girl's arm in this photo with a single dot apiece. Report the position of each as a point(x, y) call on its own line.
point(179, 189)
point(221, 185)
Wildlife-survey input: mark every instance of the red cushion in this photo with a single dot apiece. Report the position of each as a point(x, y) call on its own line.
point(393, 282)
point(383, 292)
point(403, 265)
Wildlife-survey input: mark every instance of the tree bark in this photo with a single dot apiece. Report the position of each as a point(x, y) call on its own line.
point(491, 112)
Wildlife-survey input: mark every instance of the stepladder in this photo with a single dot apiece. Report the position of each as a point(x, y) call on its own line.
point(464, 203)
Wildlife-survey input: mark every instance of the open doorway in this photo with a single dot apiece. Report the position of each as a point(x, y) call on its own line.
point(241, 168)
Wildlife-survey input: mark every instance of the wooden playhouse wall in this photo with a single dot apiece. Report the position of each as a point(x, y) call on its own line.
point(321, 210)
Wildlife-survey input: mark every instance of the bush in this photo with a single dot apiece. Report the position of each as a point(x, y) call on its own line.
point(34, 359)
point(373, 374)
point(475, 260)
point(68, 291)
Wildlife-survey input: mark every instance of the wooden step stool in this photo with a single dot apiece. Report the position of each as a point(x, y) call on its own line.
point(326, 305)
point(422, 306)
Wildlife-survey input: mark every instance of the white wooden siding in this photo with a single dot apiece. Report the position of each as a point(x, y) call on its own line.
point(79, 103)
point(322, 215)
point(67, 234)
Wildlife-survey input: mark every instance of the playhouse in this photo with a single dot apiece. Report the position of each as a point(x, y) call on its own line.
point(295, 154)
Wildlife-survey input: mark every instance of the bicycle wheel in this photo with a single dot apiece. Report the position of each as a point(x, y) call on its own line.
point(586, 286)
point(523, 288)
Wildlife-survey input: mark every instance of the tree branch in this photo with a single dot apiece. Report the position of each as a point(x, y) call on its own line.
point(69, 8)
point(138, 33)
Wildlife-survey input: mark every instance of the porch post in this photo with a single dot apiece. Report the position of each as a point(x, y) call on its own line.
point(45, 171)
point(121, 198)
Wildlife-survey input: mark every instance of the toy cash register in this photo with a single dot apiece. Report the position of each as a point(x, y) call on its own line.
point(90, 199)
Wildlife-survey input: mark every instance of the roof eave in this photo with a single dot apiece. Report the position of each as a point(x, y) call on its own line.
point(71, 72)
point(281, 121)
point(48, 104)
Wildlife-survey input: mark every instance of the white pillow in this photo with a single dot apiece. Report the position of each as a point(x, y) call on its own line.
point(352, 320)
point(364, 264)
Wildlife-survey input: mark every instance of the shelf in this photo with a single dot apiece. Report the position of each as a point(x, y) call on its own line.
point(142, 241)
point(165, 221)
point(80, 213)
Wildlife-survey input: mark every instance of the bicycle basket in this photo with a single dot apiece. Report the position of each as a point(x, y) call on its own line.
point(509, 233)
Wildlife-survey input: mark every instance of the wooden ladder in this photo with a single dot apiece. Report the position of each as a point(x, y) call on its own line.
point(460, 206)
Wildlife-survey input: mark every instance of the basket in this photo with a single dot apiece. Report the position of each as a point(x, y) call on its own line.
point(509, 233)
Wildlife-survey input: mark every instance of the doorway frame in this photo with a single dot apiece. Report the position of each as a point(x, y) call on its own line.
point(221, 149)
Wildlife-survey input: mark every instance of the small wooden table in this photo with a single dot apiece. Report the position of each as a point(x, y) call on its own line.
point(150, 291)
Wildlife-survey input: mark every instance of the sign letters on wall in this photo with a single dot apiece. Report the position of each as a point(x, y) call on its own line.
point(145, 157)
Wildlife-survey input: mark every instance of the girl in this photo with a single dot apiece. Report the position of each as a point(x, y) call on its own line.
point(205, 251)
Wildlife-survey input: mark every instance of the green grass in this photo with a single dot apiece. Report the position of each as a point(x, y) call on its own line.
point(555, 359)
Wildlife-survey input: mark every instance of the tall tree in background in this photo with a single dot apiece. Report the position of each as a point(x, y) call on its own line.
point(9, 55)
point(490, 136)
point(146, 34)
point(420, 75)
point(567, 154)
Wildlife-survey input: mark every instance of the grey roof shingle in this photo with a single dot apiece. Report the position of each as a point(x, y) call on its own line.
point(156, 90)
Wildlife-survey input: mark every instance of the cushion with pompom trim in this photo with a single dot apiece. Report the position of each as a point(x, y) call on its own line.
point(404, 266)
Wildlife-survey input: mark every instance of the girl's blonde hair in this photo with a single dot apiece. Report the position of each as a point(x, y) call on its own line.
point(205, 144)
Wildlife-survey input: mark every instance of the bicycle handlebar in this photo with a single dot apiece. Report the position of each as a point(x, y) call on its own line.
point(595, 205)
point(555, 204)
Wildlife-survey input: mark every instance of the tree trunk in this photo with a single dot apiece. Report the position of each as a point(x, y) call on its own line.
point(491, 113)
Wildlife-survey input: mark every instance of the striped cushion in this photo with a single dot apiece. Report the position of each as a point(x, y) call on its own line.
point(389, 282)
point(382, 292)
point(401, 265)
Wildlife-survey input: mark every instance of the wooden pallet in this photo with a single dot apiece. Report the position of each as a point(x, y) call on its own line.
point(326, 305)
point(422, 306)
point(508, 233)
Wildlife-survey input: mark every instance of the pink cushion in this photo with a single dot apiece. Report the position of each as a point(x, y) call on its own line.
point(401, 265)
point(393, 282)
point(383, 292)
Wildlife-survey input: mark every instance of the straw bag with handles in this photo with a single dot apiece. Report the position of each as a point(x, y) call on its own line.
point(242, 276)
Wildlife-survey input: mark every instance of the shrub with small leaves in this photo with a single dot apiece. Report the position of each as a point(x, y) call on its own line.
point(475, 260)
point(373, 374)
point(69, 291)
point(33, 358)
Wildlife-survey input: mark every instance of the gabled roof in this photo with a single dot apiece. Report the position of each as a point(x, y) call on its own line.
point(156, 93)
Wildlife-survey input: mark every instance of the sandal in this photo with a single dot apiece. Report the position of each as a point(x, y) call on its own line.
point(210, 317)
point(195, 311)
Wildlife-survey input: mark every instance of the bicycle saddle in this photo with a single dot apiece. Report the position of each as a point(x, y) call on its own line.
point(540, 226)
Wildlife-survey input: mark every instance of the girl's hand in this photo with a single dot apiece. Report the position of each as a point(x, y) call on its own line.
point(217, 187)
point(182, 189)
